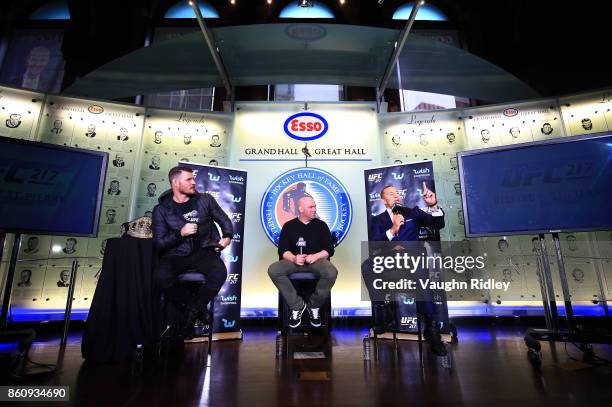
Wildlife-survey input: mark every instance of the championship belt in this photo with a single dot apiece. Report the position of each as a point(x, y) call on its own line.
point(139, 227)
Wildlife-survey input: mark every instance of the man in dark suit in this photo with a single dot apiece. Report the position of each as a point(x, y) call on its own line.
point(402, 224)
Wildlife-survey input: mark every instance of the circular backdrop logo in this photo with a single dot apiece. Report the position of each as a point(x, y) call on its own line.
point(279, 203)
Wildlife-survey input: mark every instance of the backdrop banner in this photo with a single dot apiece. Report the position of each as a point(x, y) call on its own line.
point(228, 187)
point(408, 179)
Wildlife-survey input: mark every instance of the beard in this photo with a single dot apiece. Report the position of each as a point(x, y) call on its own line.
point(189, 191)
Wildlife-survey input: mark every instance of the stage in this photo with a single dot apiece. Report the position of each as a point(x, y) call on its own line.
point(490, 367)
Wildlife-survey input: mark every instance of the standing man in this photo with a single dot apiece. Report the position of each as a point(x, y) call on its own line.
point(402, 224)
point(186, 236)
point(316, 247)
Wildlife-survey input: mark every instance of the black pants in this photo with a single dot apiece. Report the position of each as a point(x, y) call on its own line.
point(202, 261)
point(384, 308)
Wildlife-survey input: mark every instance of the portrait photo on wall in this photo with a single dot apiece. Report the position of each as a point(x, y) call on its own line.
point(37, 58)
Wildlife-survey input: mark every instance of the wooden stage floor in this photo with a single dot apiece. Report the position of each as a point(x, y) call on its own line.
point(490, 368)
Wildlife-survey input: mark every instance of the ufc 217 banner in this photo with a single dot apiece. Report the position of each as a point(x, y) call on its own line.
point(408, 179)
point(228, 187)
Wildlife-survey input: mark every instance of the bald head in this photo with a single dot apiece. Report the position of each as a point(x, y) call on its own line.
point(307, 209)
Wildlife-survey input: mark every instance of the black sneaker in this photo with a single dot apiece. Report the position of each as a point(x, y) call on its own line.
point(438, 348)
point(433, 337)
point(315, 316)
point(188, 331)
point(295, 318)
point(204, 316)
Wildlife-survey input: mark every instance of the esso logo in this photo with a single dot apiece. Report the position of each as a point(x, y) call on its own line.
point(511, 112)
point(306, 126)
point(95, 109)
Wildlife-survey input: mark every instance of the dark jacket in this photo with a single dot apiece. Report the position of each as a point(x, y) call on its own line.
point(167, 224)
point(414, 219)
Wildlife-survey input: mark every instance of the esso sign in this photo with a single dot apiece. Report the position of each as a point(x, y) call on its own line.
point(510, 112)
point(95, 109)
point(306, 126)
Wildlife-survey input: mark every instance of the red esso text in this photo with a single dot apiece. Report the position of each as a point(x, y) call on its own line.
point(298, 125)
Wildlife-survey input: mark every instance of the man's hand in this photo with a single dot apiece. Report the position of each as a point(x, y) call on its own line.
point(311, 258)
point(189, 229)
point(300, 259)
point(398, 221)
point(429, 197)
point(224, 243)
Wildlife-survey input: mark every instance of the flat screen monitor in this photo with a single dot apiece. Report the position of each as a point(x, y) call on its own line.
point(49, 189)
point(560, 185)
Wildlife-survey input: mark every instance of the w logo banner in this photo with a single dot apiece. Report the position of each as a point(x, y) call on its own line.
point(228, 187)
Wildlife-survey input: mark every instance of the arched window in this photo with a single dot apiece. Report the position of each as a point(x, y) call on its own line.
point(427, 12)
point(304, 92)
point(184, 10)
point(318, 10)
point(53, 10)
point(413, 100)
point(189, 99)
point(33, 58)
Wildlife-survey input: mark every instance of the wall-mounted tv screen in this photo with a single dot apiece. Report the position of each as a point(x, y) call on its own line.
point(558, 185)
point(49, 189)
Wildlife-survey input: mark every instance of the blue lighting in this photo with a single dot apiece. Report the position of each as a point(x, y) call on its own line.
point(40, 315)
point(184, 10)
point(454, 310)
point(319, 10)
point(9, 347)
point(427, 12)
point(53, 10)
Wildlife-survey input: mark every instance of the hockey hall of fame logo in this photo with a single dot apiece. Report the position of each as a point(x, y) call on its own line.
point(280, 201)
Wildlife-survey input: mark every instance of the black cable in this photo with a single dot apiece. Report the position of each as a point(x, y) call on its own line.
point(51, 366)
point(597, 360)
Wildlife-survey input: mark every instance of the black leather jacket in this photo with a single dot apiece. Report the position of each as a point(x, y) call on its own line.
point(167, 224)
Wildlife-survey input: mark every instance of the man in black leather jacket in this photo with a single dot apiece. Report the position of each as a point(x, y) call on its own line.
point(186, 236)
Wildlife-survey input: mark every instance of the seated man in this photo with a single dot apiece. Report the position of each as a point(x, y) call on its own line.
point(186, 236)
point(312, 254)
point(401, 224)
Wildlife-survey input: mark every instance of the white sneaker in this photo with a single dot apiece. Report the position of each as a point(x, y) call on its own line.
point(315, 316)
point(295, 319)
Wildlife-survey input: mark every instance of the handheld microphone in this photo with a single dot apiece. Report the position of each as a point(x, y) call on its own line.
point(301, 243)
point(398, 209)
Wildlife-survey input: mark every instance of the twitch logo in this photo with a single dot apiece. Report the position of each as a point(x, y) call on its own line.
point(228, 323)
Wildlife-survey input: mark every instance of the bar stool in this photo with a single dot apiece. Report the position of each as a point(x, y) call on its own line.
point(195, 281)
point(305, 283)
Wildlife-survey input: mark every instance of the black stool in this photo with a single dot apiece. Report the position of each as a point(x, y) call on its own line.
point(195, 280)
point(305, 283)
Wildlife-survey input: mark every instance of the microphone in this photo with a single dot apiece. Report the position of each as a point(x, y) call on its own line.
point(301, 243)
point(398, 209)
